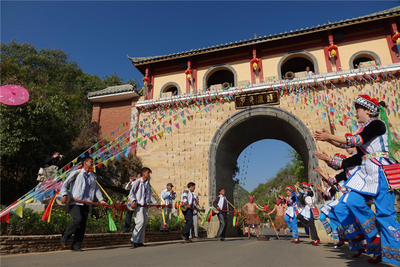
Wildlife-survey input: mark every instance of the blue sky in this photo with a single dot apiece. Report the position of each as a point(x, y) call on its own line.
point(99, 34)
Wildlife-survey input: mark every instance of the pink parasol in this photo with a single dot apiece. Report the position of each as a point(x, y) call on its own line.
point(13, 95)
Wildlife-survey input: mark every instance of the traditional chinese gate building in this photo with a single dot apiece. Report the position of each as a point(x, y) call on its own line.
point(202, 107)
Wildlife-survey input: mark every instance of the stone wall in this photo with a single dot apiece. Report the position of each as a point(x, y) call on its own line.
point(183, 156)
point(45, 243)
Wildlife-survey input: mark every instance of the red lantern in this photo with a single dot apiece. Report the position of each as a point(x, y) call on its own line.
point(396, 38)
point(146, 81)
point(188, 73)
point(254, 62)
point(332, 49)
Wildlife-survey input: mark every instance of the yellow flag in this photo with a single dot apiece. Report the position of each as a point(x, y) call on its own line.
point(18, 211)
point(29, 200)
point(105, 163)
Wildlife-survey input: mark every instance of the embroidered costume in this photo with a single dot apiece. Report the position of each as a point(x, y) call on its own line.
point(369, 183)
point(291, 212)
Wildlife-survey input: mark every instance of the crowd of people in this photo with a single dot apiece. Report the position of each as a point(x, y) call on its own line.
point(350, 193)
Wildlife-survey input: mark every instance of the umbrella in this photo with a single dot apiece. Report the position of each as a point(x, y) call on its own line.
point(13, 95)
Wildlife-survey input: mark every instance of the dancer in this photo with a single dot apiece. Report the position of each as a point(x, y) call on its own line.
point(291, 212)
point(279, 222)
point(82, 186)
point(129, 213)
point(188, 199)
point(333, 193)
point(195, 219)
point(140, 195)
point(251, 218)
point(221, 204)
point(345, 218)
point(167, 196)
point(369, 181)
point(306, 215)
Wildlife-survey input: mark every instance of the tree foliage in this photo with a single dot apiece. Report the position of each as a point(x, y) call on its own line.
point(56, 118)
point(265, 193)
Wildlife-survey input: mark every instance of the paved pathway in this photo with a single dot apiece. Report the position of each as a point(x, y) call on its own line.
point(206, 252)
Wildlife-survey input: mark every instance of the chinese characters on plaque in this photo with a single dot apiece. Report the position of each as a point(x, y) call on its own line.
point(256, 99)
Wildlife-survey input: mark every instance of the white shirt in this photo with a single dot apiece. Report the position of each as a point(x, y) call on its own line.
point(188, 197)
point(167, 197)
point(141, 192)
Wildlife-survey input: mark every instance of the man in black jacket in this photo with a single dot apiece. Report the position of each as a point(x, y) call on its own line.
point(221, 203)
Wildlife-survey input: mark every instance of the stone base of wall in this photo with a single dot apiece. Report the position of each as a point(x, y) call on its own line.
point(44, 243)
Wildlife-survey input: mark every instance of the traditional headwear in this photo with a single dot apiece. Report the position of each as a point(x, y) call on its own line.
point(288, 187)
point(306, 185)
point(369, 103)
point(278, 201)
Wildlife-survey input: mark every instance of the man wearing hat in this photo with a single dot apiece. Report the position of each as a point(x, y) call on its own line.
point(167, 196)
point(291, 212)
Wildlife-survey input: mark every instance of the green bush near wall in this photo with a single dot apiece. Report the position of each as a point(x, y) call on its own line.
point(31, 223)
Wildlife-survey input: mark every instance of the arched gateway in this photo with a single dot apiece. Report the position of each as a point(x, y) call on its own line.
point(251, 125)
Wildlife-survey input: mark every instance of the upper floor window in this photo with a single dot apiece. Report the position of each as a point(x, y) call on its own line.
point(170, 89)
point(221, 79)
point(297, 67)
point(364, 59)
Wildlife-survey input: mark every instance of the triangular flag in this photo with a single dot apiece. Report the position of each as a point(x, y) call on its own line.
point(19, 210)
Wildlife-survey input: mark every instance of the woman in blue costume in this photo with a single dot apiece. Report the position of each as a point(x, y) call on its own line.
point(291, 212)
point(369, 182)
point(337, 211)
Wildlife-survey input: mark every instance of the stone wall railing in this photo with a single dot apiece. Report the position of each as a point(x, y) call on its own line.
point(43, 243)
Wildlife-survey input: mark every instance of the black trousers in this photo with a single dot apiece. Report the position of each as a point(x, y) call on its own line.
point(78, 225)
point(310, 224)
point(189, 222)
point(223, 223)
point(128, 221)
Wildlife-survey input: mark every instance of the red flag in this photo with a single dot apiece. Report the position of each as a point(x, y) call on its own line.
point(5, 218)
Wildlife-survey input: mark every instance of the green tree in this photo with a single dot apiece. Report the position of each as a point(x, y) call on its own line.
point(56, 117)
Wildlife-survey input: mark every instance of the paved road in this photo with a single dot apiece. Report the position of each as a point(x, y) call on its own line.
point(207, 252)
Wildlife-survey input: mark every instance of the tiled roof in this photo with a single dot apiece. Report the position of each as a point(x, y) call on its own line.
point(125, 88)
point(381, 14)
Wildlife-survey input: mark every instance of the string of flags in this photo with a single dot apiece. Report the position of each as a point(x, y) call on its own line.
point(155, 119)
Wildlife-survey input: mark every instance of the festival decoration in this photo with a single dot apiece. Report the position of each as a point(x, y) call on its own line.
point(146, 80)
point(332, 49)
point(13, 95)
point(321, 96)
point(188, 73)
point(396, 38)
point(254, 63)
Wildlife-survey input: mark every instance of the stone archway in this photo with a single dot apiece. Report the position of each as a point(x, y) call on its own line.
point(248, 126)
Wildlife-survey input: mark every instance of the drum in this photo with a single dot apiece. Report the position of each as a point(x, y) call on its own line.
point(184, 207)
point(128, 205)
point(59, 197)
point(214, 211)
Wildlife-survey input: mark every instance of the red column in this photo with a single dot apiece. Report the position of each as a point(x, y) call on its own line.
point(189, 66)
point(260, 71)
point(194, 73)
point(252, 72)
point(392, 45)
point(151, 86)
point(327, 59)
